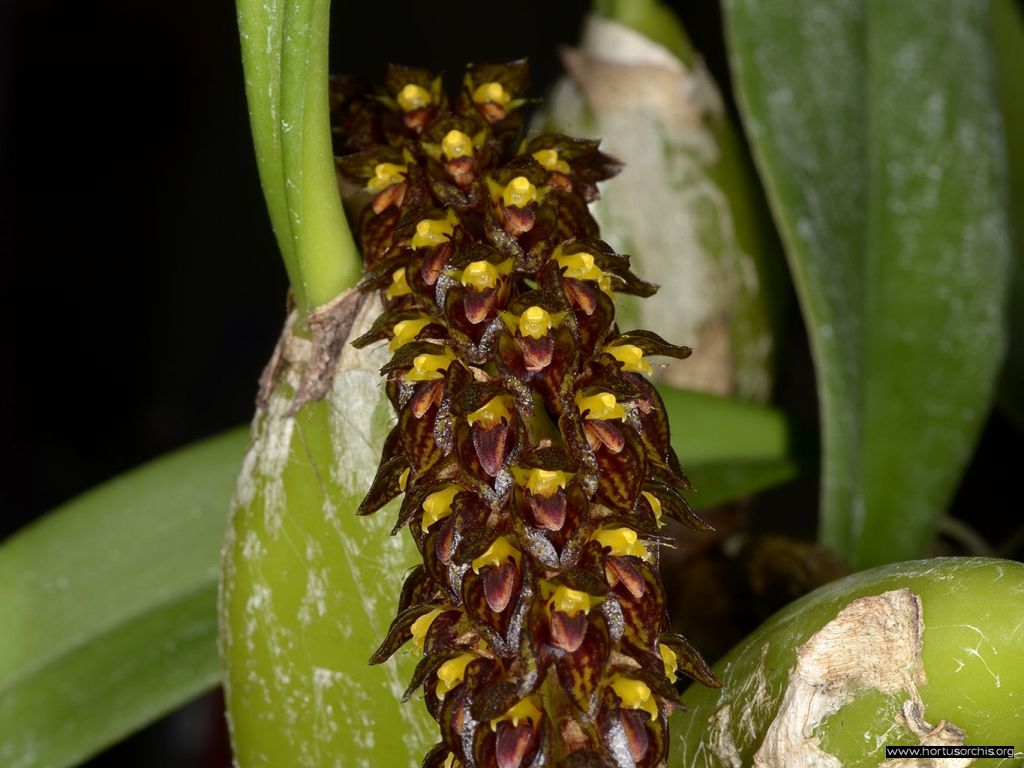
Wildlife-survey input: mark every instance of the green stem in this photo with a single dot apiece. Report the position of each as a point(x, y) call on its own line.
point(327, 256)
point(259, 26)
point(284, 56)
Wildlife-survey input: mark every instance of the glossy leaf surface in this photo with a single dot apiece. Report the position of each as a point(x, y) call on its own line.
point(1008, 37)
point(961, 666)
point(876, 129)
point(113, 596)
point(109, 606)
point(309, 588)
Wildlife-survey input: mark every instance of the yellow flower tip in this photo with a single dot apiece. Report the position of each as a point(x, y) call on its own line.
point(413, 96)
point(480, 275)
point(491, 413)
point(634, 694)
point(519, 193)
point(583, 266)
point(451, 673)
point(544, 482)
point(548, 158)
point(492, 91)
point(428, 367)
point(456, 144)
point(399, 286)
point(621, 542)
point(451, 761)
point(603, 406)
point(420, 627)
point(384, 175)
point(406, 331)
point(403, 479)
point(655, 503)
point(438, 505)
point(570, 601)
point(526, 709)
point(670, 660)
point(631, 357)
point(535, 322)
point(431, 232)
point(496, 554)
point(579, 266)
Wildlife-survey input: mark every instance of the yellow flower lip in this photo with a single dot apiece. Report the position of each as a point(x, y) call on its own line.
point(420, 627)
point(496, 554)
point(580, 266)
point(548, 158)
point(583, 266)
point(427, 367)
point(451, 673)
point(655, 503)
point(526, 709)
point(635, 694)
point(670, 660)
point(431, 232)
point(481, 275)
point(405, 331)
point(621, 541)
point(519, 193)
point(456, 144)
point(492, 91)
point(385, 175)
point(602, 406)
point(535, 322)
point(542, 482)
point(571, 601)
point(491, 413)
point(399, 285)
point(631, 357)
point(438, 505)
point(413, 96)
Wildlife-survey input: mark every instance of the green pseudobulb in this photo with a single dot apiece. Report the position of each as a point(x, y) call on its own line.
point(873, 655)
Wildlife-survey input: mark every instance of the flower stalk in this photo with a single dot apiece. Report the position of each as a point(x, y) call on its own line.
point(531, 451)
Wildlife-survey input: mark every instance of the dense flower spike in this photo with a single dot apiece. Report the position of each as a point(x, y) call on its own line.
point(532, 452)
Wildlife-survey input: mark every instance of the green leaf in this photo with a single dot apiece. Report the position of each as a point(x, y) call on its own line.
point(730, 448)
point(309, 589)
point(1008, 37)
point(687, 208)
point(326, 253)
point(259, 27)
point(114, 594)
point(284, 57)
point(876, 130)
point(109, 606)
point(878, 635)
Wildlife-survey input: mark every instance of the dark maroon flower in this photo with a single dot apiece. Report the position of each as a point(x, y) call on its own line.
point(533, 454)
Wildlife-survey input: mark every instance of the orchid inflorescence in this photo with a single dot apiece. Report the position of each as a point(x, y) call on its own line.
point(532, 451)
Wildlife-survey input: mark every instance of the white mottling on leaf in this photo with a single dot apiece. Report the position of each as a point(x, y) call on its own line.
point(655, 114)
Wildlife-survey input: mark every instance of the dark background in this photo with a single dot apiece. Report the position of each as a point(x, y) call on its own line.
point(146, 291)
point(152, 291)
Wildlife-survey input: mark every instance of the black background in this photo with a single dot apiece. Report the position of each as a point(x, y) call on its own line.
point(148, 291)
point(144, 291)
